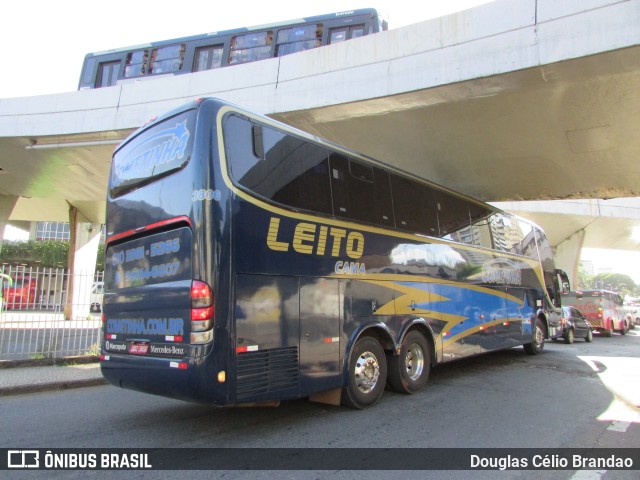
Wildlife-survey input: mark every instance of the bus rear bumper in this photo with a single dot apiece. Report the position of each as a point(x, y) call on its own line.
point(180, 379)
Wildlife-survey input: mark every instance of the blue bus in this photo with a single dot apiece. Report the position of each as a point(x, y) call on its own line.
point(248, 262)
point(208, 51)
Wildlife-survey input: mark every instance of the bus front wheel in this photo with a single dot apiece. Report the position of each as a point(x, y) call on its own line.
point(367, 374)
point(409, 371)
point(537, 343)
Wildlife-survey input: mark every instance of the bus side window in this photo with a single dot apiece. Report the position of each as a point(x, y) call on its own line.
point(277, 166)
point(414, 206)
point(360, 192)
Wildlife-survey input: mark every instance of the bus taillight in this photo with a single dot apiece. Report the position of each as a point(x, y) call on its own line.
point(202, 312)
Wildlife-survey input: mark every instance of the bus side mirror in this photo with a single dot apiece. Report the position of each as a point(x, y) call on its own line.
point(564, 281)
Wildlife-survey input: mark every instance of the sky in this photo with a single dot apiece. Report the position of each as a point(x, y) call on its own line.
point(45, 43)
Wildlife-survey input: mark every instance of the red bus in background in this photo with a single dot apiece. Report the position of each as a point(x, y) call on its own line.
point(603, 309)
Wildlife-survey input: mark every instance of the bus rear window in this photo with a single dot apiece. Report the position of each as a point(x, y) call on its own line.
point(156, 152)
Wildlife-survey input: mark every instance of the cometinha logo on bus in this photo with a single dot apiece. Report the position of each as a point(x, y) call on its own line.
point(312, 239)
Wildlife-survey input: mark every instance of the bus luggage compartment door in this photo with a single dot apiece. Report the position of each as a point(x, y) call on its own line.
point(267, 337)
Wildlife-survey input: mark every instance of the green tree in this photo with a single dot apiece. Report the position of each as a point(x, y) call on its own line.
point(585, 281)
point(38, 253)
point(618, 282)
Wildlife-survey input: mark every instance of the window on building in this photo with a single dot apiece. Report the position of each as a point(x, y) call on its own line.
point(52, 231)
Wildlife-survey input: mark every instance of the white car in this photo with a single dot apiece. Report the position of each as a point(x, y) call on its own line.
point(97, 294)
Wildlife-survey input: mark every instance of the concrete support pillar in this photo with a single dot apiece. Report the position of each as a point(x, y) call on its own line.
point(84, 241)
point(7, 203)
point(567, 256)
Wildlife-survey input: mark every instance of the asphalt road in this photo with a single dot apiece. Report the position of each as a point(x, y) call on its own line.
point(580, 395)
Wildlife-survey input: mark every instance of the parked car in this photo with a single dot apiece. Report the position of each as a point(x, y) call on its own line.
point(575, 325)
point(21, 293)
point(97, 294)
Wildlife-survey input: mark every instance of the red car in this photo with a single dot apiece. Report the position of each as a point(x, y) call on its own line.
point(22, 294)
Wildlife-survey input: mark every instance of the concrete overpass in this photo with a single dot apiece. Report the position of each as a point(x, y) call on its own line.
point(512, 100)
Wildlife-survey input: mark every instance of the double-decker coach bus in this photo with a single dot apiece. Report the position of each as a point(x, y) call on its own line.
point(220, 49)
point(249, 262)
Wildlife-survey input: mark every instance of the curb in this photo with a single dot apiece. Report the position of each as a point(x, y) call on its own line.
point(45, 362)
point(43, 387)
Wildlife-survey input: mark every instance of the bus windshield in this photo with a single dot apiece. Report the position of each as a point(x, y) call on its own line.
point(167, 147)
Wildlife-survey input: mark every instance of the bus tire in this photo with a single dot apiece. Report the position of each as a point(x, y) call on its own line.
point(409, 370)
point(367, 374)
point(609, 331)
point(536, 345)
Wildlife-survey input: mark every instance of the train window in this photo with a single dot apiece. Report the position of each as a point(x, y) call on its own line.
point(87, 72)
point(167, 59)
point(208, 57)
point(137, 64)
point(108, 74)
point(338, 35)
point(341, 34)
point(297, 39)
point(250, 47)
point(357, 32)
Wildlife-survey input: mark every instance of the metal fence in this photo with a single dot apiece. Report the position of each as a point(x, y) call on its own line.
point(32, 315)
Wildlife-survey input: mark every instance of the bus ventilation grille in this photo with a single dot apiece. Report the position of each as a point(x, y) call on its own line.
point(267, 371)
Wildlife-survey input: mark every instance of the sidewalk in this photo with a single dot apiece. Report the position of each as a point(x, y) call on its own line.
point(26, 378)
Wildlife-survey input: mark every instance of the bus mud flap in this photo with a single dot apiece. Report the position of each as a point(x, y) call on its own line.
point(329, 397)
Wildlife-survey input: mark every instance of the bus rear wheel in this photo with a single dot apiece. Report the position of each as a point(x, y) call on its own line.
point(536, 345)
point(409, 371)
point(367, 374)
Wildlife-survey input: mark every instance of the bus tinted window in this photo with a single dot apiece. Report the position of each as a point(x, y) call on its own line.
point(285, 169)
point(414, 206)
point(453, 213)
point(510, 234)
point(360, 192)
point(157, 151)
